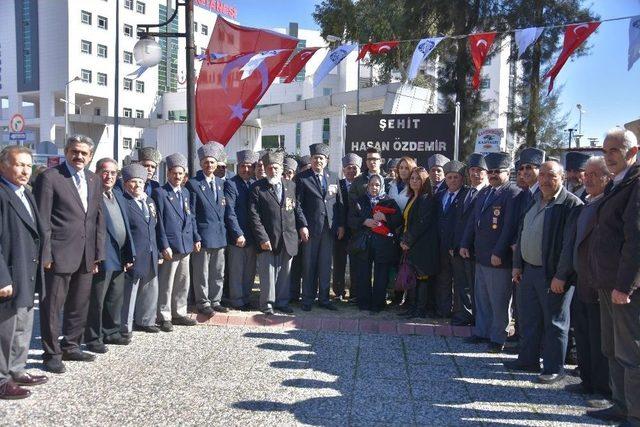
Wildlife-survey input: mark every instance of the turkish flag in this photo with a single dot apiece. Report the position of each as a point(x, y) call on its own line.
point(293, 67)
point(376, 48)
point(479, 44)
point(230, 87)
point(574, 36)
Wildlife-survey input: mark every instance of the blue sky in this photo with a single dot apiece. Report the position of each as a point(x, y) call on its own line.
point(609, 94)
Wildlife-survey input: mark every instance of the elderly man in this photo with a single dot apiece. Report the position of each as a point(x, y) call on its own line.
point(575, 163)
point(528, 169)
point(150, 158)
point(545, 291)
point(107, 290)
point(321, 203)
point(436, 164)
point(241, 244)
point(290, 166)
point(21, 240)
point(276, 220)
point(70, 203)
point(615, 269)
point(259, 167)
point(177, 237)
point(490, 232)
point(208, 264)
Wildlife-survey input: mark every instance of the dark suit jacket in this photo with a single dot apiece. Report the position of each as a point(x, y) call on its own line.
point(116, 257)
point(422, 235)
point(345, 208)
point(447, 220)
point(236, 213)
point(71, 234)
point(382, 248)
point(273, 220)
point(614, 254)
point(144, 236)
point(461, 219)
point(319, 208)
point(493, 225)
point(176, 223)
point(209, 212)
point(21, 240)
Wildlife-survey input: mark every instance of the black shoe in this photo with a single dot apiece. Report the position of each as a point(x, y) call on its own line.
point(184, 321)
point(285, 309)
point(246, 307)
point(495, 348)
point(97, 348)
point(207, 311)
point(578, 389)
point(118, 340)
point(151, 329)
point(28, 380)
point(328, 306)
point(551, 378)
point(54, 366)
point(612, 413)
point(268, 311)
point(461, 322)
point(166, 326)
point(220, 309)
point(306, 307)
point(516, 365)
point(474, 339)
point(78, 356)
point(353, 300)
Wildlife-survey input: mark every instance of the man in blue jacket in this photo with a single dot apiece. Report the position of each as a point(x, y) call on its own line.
point(207, 195)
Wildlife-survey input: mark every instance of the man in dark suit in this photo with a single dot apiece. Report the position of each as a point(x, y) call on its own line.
point(70, 203)
point(358, 187)
point(464, 268)
point(449, 202)
point(276, 220)
point(351, 164)
point(491, 233)
point(21, 240)
point(107, 290)
point(435, 166)
point(178, 237)
point(208, 264)
point(241, 244)
point(528, 169)
point(321, 203)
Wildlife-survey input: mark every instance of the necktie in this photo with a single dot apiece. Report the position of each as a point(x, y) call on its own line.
point(145, 209)
point(447, 203)
point(25, 202)
point(320, 181)
point(469, 198)
point(278, 190)
point(181, 202)
point(488, 199)
point(212, 184)
point(81, 185)
point(109, 194)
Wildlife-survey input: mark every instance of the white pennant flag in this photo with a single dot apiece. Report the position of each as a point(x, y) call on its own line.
point(331, 60)
point(634, 41)
point(526, 37)
point(256, 60)
point(424, 48)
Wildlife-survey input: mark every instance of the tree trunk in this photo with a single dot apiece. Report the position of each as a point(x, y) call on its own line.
point(533, 115)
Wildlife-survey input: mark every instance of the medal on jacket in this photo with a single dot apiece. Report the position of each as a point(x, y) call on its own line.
point(289, 204)
point(333, 189)
point(186, 208)
point(152, 209)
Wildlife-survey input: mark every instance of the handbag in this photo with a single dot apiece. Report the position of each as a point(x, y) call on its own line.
point(359, 244)
point(406, 278)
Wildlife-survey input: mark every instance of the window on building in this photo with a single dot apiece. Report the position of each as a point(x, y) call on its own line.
point(127, 57)
point(85, 17)
point(85, 46)
point(128, 30)
point(326, 130)
point(178, 115)
point(103, 22)
point(487, 61)
point(485, 84)
point(203, 51)
point(126, 143)
point(85, 75)
point(139, 86)
point(141, 7)
point(138, 143)
point(195, 27)
point(128, 84)
point(326, 91)
point(139, 114)
point(102, 51)
point(298, 137)
point(126, 112)
point(97, 111)
point(128, 4)
point(485, 106)
point(272, 141)
point(204, 29)
point(102, 79)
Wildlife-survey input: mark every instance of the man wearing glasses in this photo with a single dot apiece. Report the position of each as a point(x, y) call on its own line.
point(490, 233)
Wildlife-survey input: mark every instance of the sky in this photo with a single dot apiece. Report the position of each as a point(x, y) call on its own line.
point(600, 82)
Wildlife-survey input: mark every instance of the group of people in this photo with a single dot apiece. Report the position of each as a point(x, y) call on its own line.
point(113, 252)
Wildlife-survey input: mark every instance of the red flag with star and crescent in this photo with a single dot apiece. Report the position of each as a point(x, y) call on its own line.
point(574, 36)
point(376, 48)
point(229, 88)
point(479, 44)
point(293, 67)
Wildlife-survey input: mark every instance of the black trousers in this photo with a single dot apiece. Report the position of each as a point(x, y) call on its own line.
point(339, 282)
point(463, 279)
point(296, 276)
point(594, 367)
point(444, 286)
point(105, 307)
point(372, 297)
point(69, 294)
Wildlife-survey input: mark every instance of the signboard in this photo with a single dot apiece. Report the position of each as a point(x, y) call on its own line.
point(219, 7)
point(489, 140)
point(13, 137)
point(396, 135)
point(16, 123)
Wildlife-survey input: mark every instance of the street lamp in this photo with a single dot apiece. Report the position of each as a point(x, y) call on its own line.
point(76, 105)
point(580, 110)
point(571, 131)
point(66, 107)
point(149, 54)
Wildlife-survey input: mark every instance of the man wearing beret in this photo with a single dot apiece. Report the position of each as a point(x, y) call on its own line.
point(290, 166)
point(321, 203)
point(241, 244)
point(435, 164)
point(276, 220)
point(575, 164)
point(529, 167)
point(208, 263)
point(491, 233)
point(177, 236)
point(150, 158)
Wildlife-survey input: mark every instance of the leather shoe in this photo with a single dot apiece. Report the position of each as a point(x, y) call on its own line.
point(184, 321)
point(285, 309)
point(207, 311)
point(220, 309)
point(550, 378)
point(306, 307)
point(120, 340)
point(516, 365)
point(612, 413)
point(166, 326)
point(268, 311)
point(78, 356)
point(329, 306)
point(54, 366)
point(474, 339)
point(151, 329)
point(27, 380)
point(97, 348)
point(9, 390)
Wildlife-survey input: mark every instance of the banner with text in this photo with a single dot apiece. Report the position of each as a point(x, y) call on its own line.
point(396, 135)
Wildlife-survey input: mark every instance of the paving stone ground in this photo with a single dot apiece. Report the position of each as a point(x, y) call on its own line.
point(230, 375)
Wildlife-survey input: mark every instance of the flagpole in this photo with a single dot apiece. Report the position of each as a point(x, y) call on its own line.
point(358, 84)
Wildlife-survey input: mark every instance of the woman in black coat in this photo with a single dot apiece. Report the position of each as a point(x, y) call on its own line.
point(419, 239)
point(381, 248)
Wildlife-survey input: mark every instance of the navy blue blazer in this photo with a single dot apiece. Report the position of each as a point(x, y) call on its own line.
point(236, 213)
point(177, 223)
point(144, 237)
point(317, 206)
point(494, 226)
point(462, 215)
point(116, 257)
point(209, 211)
point(447, 219)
